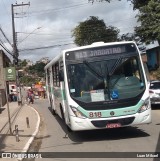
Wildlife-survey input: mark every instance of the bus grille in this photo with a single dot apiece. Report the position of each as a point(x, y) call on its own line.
point(103, 123)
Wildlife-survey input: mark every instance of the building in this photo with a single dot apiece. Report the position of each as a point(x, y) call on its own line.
point(151, 54)
point(29, 63)
point(4, 62)
point(44, 60)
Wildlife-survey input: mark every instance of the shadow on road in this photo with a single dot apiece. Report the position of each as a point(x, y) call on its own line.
point(157, 148)
point(102, 134)
point(155, 107)
point(2, 138)
point(2, 109)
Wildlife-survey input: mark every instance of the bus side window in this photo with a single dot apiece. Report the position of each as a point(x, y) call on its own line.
point(61, 75)
point(61, 71)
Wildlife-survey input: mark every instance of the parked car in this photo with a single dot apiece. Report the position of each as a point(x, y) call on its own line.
point(154, 92)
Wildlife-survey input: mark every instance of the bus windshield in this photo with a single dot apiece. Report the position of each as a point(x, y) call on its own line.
point(106, 78)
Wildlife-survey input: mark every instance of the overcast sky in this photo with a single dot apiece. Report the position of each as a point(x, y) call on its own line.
point(50, 22)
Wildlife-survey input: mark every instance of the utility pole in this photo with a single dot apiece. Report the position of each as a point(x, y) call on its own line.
point(15, 51)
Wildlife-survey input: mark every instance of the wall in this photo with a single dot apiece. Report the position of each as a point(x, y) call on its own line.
point(2, 79)
point(4, 62)
point(153, 57)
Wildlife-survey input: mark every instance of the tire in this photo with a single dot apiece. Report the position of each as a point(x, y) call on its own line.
point(62, 115)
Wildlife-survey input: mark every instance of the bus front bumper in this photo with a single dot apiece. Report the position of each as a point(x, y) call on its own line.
point(79, 124)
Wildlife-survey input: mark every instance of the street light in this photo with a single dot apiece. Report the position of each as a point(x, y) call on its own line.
point(29, 34)
point(17, 73)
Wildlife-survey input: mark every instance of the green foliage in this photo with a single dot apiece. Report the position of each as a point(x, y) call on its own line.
point(23, 63)
point(139, 3)
point(136, 3)
point(149, 17)
point(32, 74)
point(37, 69)
point(128, 37)
point(94, 30)
point(27, 80)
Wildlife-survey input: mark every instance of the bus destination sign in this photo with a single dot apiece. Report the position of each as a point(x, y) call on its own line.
point(81, 54)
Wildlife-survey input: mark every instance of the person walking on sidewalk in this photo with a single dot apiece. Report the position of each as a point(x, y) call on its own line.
point(30, 95)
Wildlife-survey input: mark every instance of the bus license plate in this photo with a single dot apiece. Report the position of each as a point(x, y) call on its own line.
point(113, 125)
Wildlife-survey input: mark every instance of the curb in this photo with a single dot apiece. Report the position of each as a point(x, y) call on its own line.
point(25, 149)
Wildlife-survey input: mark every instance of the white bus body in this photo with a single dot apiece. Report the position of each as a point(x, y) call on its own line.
point(99, 86)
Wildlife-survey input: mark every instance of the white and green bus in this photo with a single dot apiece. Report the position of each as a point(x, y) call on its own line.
point(99, 86)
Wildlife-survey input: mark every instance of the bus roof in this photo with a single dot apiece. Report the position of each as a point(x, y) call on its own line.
point(53, 60)
point(96, 44)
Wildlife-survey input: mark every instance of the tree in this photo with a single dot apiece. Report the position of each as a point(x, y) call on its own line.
point(136, 3)
point(23, 63)
point(94, 30)
point(27, 80)
point(150, 22)
point(37, 69)
point(128, 37)
point(139, 3)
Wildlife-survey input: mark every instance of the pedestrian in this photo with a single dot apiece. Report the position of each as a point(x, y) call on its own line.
point(14, 97)
point(11, 96)
point(30, 96)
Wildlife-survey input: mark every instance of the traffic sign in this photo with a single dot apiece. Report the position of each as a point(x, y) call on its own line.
point(10, 73)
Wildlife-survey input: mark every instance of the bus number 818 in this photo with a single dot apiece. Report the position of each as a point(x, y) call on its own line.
point(95, 114)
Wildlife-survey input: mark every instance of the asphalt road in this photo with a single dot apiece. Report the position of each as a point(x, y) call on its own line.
point(131, 141)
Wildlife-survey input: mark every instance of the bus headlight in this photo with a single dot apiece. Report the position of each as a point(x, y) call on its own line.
point(145, 106)
point(77, 112)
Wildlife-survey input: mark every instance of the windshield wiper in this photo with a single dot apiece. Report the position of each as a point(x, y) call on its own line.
point(93, 70)
point(115, 65)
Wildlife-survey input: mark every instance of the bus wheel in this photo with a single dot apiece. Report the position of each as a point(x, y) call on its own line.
point(63, 118)
point(62, 114)
point(53, 111)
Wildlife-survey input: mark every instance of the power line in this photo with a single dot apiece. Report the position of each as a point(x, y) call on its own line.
point(29, 34)
point(87, 29)
point(45, 47)
point(67, 8)
point(5, 36)
point(63, 9)
point(6, 50)
point(58, 9)
point(45, 34)
point(3, 43)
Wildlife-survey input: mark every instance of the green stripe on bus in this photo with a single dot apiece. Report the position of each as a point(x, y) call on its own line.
point(126, 111)
point(63, 94)
point(52, 90)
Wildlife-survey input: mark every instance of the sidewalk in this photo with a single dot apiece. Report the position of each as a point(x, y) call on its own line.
point(19, 116)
